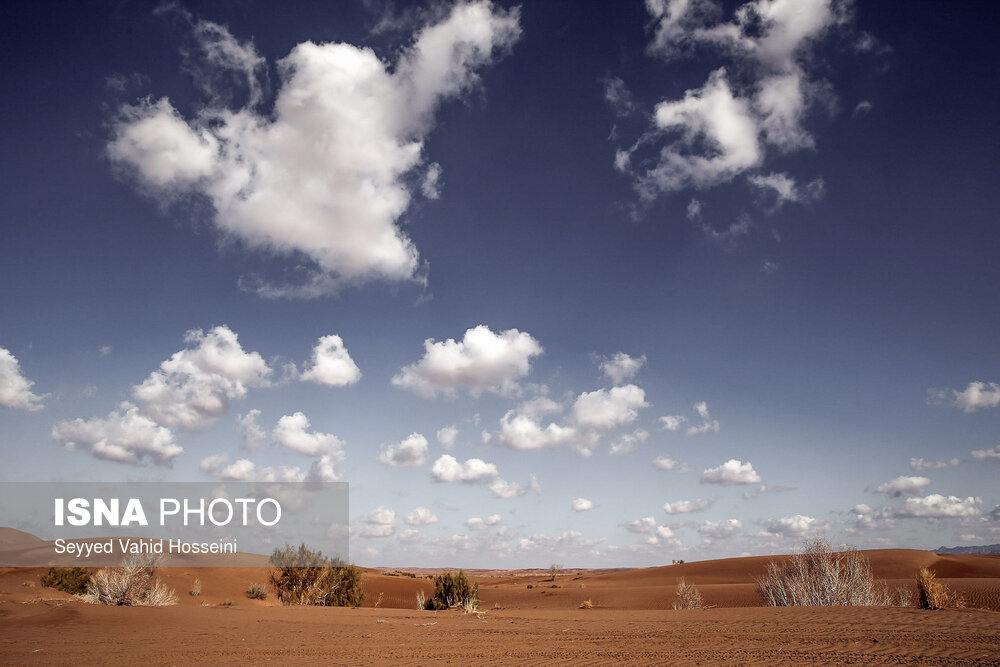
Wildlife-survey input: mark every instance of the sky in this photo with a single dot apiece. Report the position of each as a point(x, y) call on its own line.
point(588, 283)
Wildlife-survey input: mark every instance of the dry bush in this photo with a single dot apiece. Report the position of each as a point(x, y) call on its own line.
point(688, 596)
point(820, 576)
point(904, 597)
point(421, 599)
point(304, 576)
point(133, 584)
point(196, 588)
point(932, 594)
point(587, 604)
point(72, 580)
point(257, 592)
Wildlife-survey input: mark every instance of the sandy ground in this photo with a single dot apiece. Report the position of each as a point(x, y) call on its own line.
point(526, 617)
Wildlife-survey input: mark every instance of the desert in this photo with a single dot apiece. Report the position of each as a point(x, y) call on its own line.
point(523, 616)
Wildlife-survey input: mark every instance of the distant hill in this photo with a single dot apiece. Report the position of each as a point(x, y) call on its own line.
point(983, 549)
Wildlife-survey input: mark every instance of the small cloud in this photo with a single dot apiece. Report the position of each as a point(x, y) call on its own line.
point(688, 506)
point(921, 464)
point(481, 362)
point(125, 436)
point(793, 526)
point(331, 364)
point(293, 432)
point(252, 436)
point(903, 486)
point(420, 516)
point(410, 453)
point(15, 389)
point(863, 108)
point(473, 471)
point(620, 367)
point(720, 530)
point(641, 526)
point(105, 350)
point(380, 522)
point(987, 454)
point(582, 505)
point(936, 506)
point(606, 408)
point(447, 436)
point(732, 472)
point(977, 396)
point(664, 463)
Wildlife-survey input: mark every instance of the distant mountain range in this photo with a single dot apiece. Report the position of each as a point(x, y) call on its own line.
point(984, 549)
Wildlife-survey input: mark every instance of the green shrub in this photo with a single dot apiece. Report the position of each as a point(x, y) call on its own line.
point(453, 590)
point(304, 576)
point(72, 580)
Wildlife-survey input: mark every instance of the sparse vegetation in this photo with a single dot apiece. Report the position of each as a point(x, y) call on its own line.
point(587, 604)
point(932, 594)
point(196, 588)
point(133, 584)
point(421, 599)
point(453, 589)
point(820, 576)
point(72, 580)
point(257, 592)
point(304, 576)
point(904, 597)
point(554, 570)
point(688, 596)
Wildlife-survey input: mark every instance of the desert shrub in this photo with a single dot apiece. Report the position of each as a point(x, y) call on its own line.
point(72, 580)
point(196, 588)
point(932, 594)
point(904, 597)
point(421, 599)
point(304, 576)
point(133, 584)
point(586, 604)
point(820, 576)
point(688, 596)
point(453, 589)
point(257, 591)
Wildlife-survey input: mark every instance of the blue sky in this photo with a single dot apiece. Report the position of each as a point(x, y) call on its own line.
point(588, 283)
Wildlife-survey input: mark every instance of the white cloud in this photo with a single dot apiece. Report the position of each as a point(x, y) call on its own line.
point(506, 490)
point(447, 436)
point(723, 129)
point(331, 364)
point(921, 464)
point(410, 453)
point(977, 396)
point(278, 183)
point(252, 435)
point(641, 526)
point(523, 431)
point(863, 108)
point(606, 408)
point(793, 526)
point(720, 530)
point(688, 506)
point(380, 522)
point(473, 471)
point(420, 516)
point(105, 350)
point(323, 469)
point(477, 523)
point(125, 436)
point(292, 431)
point(936, 506)
point(239, 470)
point(672, 422)
point(780, 189)
point(192, 388)
point(710, 116)
point(664, 463)
point(626, 443)
point(620, 367)
point(481, 361)
point(617, 95)
point(582, 505)
point(15, 389)
point(903, 486)
point(987, 454)
point(730, 473)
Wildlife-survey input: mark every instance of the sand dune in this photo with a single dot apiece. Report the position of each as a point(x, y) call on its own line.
point(631, 620)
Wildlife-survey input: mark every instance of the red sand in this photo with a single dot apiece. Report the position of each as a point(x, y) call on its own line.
point(631, 620)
